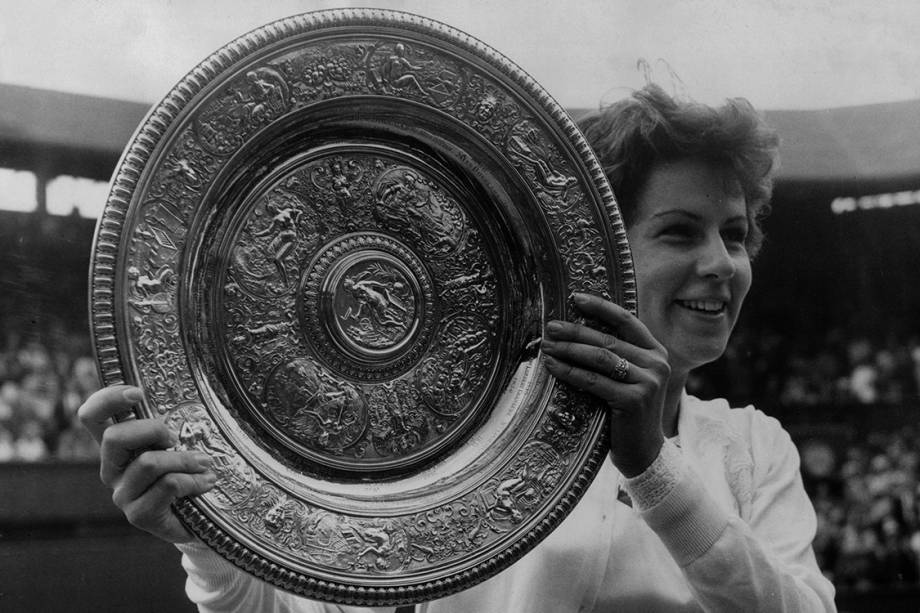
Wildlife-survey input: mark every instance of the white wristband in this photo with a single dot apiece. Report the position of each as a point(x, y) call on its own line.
point(650, 487)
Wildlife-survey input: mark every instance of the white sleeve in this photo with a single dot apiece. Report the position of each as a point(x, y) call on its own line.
point(217, 586)
point(766, 564)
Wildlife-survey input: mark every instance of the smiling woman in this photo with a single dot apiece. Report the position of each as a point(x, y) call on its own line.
point(688, 242)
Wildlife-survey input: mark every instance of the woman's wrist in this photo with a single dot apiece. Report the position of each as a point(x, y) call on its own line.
point(635, 463)
point(651, 486)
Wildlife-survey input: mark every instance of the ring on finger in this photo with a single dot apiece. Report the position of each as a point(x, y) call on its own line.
point(620, 369)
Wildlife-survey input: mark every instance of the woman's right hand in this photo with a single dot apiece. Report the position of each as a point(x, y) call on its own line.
point(588, 359)
point(146, 476)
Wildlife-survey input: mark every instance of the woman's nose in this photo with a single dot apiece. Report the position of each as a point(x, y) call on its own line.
point(715, 260)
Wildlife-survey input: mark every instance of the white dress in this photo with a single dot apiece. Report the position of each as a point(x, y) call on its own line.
point(719, 523)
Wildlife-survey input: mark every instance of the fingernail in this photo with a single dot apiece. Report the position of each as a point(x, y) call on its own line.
point(549, 361)
point(204, 460)
point(554, 327)
point(210, 479)
point(133, 395)
point(173, 439)
point(579, 298)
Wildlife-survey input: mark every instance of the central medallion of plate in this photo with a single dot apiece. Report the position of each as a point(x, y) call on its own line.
point(361, 324)
point(371, 301)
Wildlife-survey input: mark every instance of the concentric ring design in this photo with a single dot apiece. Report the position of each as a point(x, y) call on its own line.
point(327, 256)
point(370, 298)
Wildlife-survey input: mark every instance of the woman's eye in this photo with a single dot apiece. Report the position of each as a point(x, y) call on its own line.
point(678, 231)
point(735, 235)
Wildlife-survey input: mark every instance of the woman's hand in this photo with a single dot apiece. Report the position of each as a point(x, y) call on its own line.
point(145, 475)
point(628, 370)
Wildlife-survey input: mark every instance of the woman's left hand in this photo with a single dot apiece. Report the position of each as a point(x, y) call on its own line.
point(628, 370)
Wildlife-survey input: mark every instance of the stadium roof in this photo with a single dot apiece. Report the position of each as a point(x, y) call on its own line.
point(63, 133)
point(874, 142)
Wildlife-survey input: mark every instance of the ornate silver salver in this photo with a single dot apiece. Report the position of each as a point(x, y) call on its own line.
point(327, 257)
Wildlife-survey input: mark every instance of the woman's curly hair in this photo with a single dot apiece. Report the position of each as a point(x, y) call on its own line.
point(634, 135)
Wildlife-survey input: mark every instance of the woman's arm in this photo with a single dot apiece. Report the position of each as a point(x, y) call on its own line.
point(764, 564)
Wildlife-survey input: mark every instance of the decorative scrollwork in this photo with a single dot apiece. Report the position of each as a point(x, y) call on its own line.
point(312, 311)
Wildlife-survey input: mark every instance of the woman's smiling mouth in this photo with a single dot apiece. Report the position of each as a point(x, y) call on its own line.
point(712, 307)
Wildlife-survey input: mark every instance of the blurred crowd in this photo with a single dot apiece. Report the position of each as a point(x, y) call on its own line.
point(863, 478)
point(867, 499)
point(42, 384)
point(770, 367)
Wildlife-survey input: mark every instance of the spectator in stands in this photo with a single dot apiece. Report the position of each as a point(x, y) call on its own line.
point(75, 443)
point(30, 446)
point(44, 377)
point(7, 445)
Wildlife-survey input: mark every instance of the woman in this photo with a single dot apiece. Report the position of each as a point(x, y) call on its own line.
point(716, 517)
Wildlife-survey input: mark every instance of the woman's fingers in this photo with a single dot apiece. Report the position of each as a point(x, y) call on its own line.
point(589, 347)
point(582, 378)
point(97, 412)
point(151, 466)
point(628, 369)
point(152, 511)
point(145, 475)
point(124, 441)
point(627, 326)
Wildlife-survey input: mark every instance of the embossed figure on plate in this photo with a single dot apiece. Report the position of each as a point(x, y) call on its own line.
point(378, 304)
point(314, 408)
point(400, 68)
point(151, 289)
point(454, 375)
point(369, 298)
point(513, 496)
point(250, 102)
point(282, 230)
point(342, 179)
point(413, 204)
point(235, 480)
point(526, 146)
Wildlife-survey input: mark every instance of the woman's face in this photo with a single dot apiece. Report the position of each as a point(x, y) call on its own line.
point(692, 268)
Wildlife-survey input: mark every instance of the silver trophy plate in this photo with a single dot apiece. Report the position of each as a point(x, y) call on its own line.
point(327, 257)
